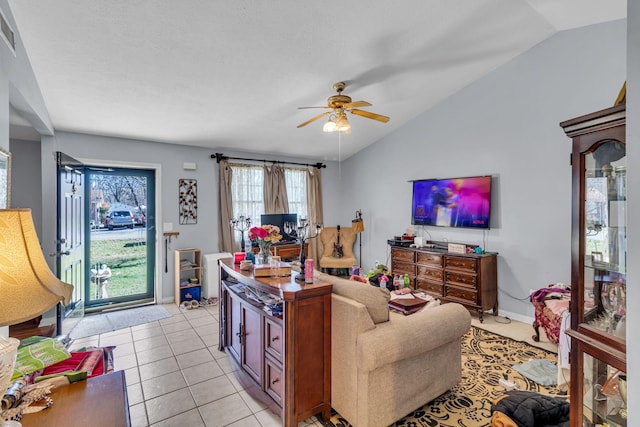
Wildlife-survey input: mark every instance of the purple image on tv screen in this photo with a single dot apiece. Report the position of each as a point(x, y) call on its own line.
point(456, 202)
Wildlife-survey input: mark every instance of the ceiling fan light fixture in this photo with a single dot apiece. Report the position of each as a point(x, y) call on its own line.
point(330, 126)
point(338, 105)
point(342, 124)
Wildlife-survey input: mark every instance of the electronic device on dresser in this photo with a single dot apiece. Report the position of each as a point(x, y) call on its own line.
point(402, 243)
point(454, 202)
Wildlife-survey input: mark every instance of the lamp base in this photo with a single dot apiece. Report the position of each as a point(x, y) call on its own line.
point(300, 277)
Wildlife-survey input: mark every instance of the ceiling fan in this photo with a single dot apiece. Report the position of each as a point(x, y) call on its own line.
point(338, 105)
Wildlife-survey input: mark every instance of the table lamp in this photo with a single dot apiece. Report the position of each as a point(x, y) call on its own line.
point(27, 285)
point(28, 288)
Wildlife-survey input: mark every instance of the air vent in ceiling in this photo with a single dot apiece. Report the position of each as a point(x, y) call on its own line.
point(7, 33)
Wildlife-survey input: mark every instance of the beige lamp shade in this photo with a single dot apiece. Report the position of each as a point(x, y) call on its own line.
point(28, 288)
point(358, 224)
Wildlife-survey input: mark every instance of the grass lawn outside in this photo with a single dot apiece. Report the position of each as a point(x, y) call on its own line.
point(127, 259)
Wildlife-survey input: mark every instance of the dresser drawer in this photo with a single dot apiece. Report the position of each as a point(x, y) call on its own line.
point(273, 339)
point(460, 263)
point(428, 273)
point(461, 295)
point(274, 380)
point(429, 259)
point(402, 255)
point(398, 267)
point(434, 288)
point(469, 280)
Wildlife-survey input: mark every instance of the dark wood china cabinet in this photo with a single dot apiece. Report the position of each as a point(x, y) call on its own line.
point(598, 268)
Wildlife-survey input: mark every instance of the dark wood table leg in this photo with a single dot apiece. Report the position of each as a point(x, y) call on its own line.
point(536, 328)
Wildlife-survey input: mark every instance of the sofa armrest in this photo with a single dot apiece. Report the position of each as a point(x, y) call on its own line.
point(409, 336)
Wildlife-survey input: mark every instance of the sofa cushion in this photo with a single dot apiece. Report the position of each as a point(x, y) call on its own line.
point(375, 299)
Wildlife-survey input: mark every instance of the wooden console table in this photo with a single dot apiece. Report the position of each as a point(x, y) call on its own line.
point(283, 361)
point(286, 251)
point(97, 402)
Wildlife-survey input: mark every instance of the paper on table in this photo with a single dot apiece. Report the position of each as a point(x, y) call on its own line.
point(403, 296)
point(424, 296)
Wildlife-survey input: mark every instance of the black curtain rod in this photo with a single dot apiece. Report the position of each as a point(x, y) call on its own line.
point(219, 157)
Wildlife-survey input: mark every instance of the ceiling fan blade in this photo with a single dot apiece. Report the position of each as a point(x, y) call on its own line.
point(356, 104)
point(314, 119)
point(368, 115)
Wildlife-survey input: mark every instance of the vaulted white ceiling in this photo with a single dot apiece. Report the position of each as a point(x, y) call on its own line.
point(230, 75)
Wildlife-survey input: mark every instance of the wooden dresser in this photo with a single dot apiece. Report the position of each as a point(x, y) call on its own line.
point(284, 362)
point(468, 279)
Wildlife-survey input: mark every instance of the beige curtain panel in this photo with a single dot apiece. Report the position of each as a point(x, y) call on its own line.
point(275, 190)
point(314, 201)
point(226, 242)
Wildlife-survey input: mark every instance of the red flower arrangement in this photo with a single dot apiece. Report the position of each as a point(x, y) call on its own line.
point(265, 236)
point(267, 233)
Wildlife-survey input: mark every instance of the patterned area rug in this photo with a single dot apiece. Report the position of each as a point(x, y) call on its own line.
point(486, 356)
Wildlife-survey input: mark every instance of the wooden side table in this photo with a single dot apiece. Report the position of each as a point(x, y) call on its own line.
point(31, 328)
point(96, 402)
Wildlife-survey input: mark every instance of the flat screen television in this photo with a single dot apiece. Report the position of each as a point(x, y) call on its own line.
point(279, 220)
point(455, 202)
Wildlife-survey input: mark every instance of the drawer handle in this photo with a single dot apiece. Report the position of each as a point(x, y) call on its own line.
point(274, 339)
point(275, 380)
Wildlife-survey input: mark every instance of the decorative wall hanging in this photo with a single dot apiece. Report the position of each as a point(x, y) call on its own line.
point(188, 199)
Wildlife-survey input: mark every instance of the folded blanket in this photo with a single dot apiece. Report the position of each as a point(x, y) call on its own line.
point(557, 306)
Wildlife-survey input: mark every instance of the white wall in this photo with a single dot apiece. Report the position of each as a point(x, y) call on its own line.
point(504, 125)
point(26, 179)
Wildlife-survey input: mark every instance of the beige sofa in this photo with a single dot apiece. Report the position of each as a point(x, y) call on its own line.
point(385, 365)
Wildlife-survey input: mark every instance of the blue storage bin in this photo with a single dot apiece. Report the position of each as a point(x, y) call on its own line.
point(188, 294)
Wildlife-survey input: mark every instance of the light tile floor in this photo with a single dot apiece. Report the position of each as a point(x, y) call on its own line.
point(177, 377)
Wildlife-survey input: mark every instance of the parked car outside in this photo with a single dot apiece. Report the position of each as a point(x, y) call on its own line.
point(119, 219)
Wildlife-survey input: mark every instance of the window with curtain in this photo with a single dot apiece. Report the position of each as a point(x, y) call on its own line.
point(247, 194)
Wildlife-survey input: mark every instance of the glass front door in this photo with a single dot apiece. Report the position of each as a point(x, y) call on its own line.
point(121, 225)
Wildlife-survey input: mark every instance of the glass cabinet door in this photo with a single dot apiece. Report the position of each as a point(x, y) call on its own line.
point(605, 394)
point(605, 239)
